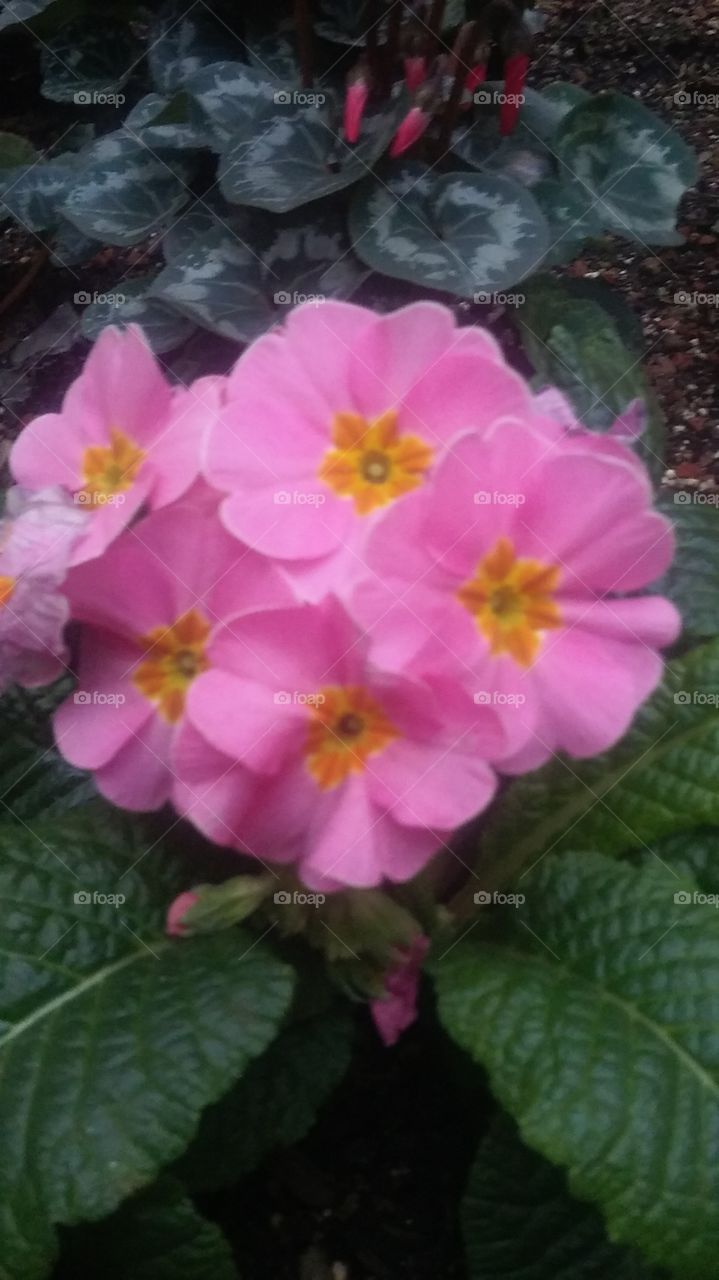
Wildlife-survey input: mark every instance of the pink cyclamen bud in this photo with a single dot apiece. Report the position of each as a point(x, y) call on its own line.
point(355, 103)
point(411, 128)
point(176, 913)
point(515, 74)
point(396, 1008)
point(415, 71)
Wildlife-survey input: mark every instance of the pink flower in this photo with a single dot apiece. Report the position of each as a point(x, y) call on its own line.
point(123, 439)
point(337, 417)
point(352, 774)
point(526, 554)
point(150, 606)
point(396, 1010)
point(176, 911)
point(37, 536)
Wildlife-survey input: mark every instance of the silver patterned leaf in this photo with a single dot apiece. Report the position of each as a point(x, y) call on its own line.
point(124, 191)
point(164, 327)
point(34, 194)
point(218, 282)
point(87, 63)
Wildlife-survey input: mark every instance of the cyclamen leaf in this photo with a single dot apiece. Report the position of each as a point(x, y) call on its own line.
point(113, 1036)
point(164, 328)
point(542, 113)
point(520, 1223)
point(634, 166)
point(218, 282)
point(693, 579)
point(21, 11)
point(183, 41)
point(124, 191)
point(161, 121)
point(571, 215)
point(87, 62)
point(597, 1021)
point(465, 232)
point(663, 777)
point(232, 96)
point(34, 194)
point(156, 1235)
point(15, 151)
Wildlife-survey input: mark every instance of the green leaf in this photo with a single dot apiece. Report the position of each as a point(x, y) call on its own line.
point(693, 855)
point(463, 232)
point(15, 151)
point(292, 153)
point(87, 63)
point(663, 777)
point(160, 121)
point(163, 326)
point(156, 1235)
point(21, 11)
point(232, 97)
point(575, 344)
point(124, 191)
point(181, 42)
point(114, 1037)
point(34, 194)
point(71, 247)
point(542, 113)
point(37, 782)
point(274, 1104)
point(218, 282)
point(572, 218)
point(632, 164)
point(520, 1223)
point(692, 582)
point(597, 1021)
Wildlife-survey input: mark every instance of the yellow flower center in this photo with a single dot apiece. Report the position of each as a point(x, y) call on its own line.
point(371, 462)
point(348, 725)
point(511, 599)
point(176, 655)
point(110, 469)
point(7, 586)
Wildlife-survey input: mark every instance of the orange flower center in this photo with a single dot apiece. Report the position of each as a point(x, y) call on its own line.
point(176, 655)
point(110, 469)
point(7, 586)
point(348, 726)
point(511, 599)
point(371, 462)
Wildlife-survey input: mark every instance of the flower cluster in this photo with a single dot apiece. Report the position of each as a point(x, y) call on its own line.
point(324, 600)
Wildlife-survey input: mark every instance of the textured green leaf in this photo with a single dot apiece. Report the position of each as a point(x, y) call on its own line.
point(520, 1223)
point(693, 580)
point(274, 1104)
point(124, 191)
point(13, 11)
point(571, 216)
point(36, 781)
point(465, 232)
point(156, 1235)
point(663, 777)
point(597, 1020)
point(15, 150)
point(88, 62)
point(292, 153)
point(72, 247)
point(542, 113)
point(218, 282)
point(233, 98)
point(182, 41)
point(164, 327)
point(632, 163)
point(34, 194)
point(113, 1037)
point(161, 121)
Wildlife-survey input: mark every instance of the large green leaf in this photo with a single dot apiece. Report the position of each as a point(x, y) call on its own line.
point(156, 1235)
point(661, 778)
point(542, 113)
point(274, 1104)
point(164, 327)
point(233, 98)
point(693, 855)
point(463, 232)
point(597, 1019)
point(15, 151)
point(182, 40)
point(633, 165)
point(87, 62)
point(161, 121)
point(34, 194)
point(124, 190)
point(113, 1037)
point(13, 11)
point(693, 580)
point(218, 282)
point(520, 1223)
point(36, 781)
point(571, 219)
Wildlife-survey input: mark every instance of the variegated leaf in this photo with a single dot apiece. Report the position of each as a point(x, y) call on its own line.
point(124, 190)
point(464, 232)
point(182, 41)
point(218, 282)
point(14, 11)
point(572, 217)
point(160, 121)
point(542, 113)
point(632, 163)
point(232, 96)
point(34, 194)
point(88, 62)
point(164, 327)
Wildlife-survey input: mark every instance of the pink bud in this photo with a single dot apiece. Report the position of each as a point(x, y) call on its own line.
point(415, 71)
point(176, 912)
point(411, 128)
point(355, 103)
point(396, 1009)
point(515, 74)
